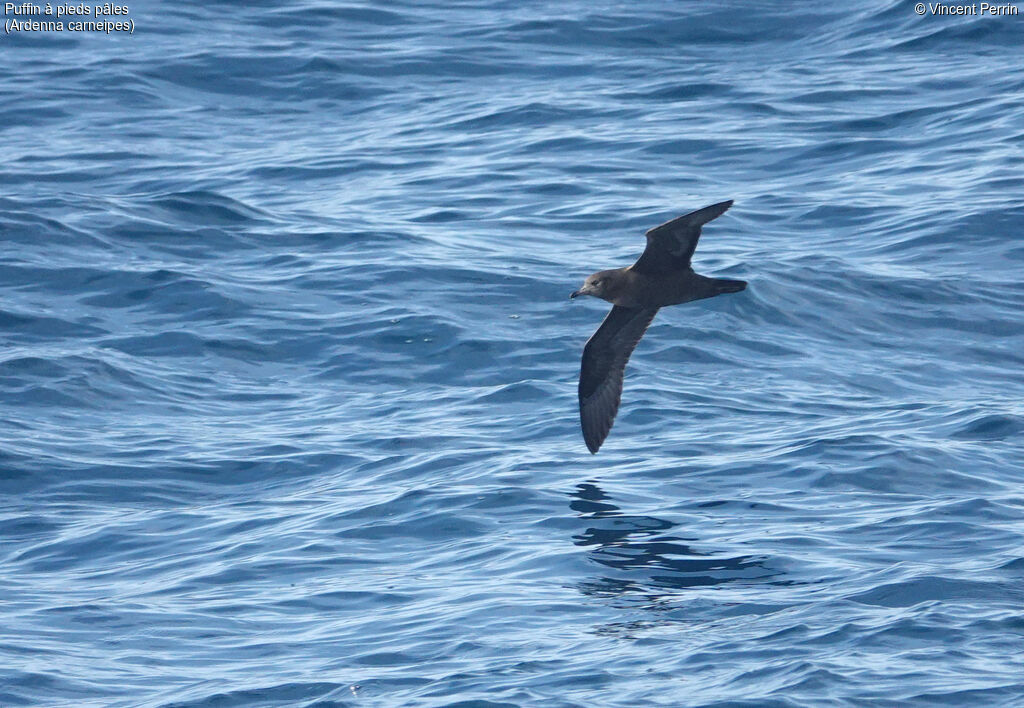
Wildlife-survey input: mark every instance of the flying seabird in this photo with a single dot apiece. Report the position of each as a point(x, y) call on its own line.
point(662, 276)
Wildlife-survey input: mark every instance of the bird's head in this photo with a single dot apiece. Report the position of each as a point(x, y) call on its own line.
point(599, 285)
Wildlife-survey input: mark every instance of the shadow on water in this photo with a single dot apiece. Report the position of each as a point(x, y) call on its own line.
point(647, 560)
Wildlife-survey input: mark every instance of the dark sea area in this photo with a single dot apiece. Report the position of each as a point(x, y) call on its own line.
point(288, 365)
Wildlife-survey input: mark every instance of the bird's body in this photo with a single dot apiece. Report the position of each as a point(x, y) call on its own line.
point(627, 288)
point(661, 277)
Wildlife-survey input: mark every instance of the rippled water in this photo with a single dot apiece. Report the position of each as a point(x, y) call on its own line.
point(289, 368)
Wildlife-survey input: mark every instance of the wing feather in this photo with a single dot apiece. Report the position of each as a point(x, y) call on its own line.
point(601, 372)
point(671, 245)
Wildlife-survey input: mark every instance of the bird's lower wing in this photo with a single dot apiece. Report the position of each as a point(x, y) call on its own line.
point(604, 360)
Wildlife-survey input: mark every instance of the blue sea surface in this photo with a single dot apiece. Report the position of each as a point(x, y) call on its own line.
point(288, 371)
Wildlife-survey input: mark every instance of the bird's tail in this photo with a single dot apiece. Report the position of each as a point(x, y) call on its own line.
point(722, 285)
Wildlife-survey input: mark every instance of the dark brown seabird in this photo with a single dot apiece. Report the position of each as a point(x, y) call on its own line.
point(662, 276)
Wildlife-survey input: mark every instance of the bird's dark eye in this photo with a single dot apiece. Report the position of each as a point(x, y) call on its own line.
point(596, 283)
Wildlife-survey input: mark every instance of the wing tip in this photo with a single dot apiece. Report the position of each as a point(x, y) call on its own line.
point(712, 211)
point(697, 218)
point(592, 435)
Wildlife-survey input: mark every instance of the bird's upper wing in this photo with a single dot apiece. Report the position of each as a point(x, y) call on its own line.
point(671, 245)
point(604, 359)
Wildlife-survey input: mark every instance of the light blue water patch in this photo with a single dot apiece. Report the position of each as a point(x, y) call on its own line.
point(289, 366)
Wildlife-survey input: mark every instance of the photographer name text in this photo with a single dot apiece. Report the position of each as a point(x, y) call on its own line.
point(978, 8)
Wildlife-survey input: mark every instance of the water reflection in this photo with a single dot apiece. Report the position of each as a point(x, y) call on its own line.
point(646, 558)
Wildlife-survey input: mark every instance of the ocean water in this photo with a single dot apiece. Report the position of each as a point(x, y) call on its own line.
point(288, 368)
